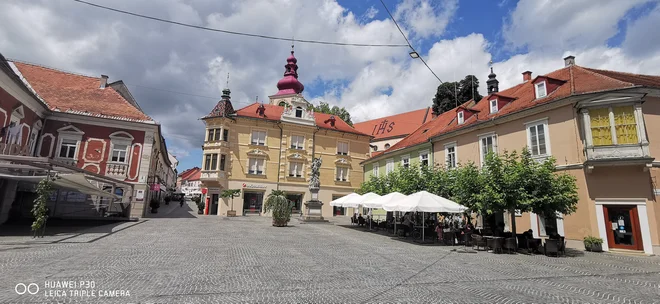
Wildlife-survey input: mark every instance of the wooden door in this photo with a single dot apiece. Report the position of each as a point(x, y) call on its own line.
point(622, 225)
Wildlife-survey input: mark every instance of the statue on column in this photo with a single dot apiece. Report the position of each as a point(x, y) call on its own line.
point(314, 180)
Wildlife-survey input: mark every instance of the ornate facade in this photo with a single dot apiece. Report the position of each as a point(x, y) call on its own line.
point(270, 146)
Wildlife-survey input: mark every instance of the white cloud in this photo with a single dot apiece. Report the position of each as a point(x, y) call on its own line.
point(639, 34)
point(558, 25)
point(370, 13)
point(426, 18)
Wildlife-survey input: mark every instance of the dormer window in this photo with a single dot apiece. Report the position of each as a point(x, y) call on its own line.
point(460, 117)
point(493, 106)
point(541, 90)
point(299, 112)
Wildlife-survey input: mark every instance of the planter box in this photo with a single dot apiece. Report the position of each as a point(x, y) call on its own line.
point(231, 213)
point(593, 247)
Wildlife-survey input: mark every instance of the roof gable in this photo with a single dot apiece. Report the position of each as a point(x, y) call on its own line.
point(77, 94)
point(395, 125)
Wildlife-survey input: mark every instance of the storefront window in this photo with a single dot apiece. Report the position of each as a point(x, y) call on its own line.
point(252, 202)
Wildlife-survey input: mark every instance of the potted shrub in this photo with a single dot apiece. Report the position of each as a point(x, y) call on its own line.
point(200, 205)
point(279, 206)
point(592, 243)
point(167, 200)
point(154, 205)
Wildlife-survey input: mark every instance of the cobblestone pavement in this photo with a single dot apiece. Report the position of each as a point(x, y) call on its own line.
point(182, 258)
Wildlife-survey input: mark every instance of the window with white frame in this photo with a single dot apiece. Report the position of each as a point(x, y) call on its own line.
point(460, 117)
point(256, 166)
point(342, 174)
point(493, 106)
point(537, 138)
point(541, 90)
point(342, 148)
point(405, 161)
point(258, 138)
point(374, 169)
point(450, 155)
point(487, 144)
point(389, 166)
point(424, 158)
point(295, 169)
point(119, 153)
point(211, 161)
point(297, 142)
point(547, 225)
point(223, 160)
point(68, 148)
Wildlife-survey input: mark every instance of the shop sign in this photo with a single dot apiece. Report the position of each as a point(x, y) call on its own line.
point(139, 196)
point(155, 187)
point(254, 186)
point(204, 190)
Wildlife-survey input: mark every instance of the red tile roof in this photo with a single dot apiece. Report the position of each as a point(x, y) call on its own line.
point(186, 174)
point(274, 113)
point(395, 125)
point(578, 80)
point(77, 94)
point(195, 176)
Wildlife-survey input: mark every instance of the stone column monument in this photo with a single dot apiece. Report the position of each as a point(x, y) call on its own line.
point(313, 206)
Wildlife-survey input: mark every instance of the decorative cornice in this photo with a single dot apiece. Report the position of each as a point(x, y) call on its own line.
point(257, 152)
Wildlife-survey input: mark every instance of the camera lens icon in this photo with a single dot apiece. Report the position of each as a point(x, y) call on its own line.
point(22, 289)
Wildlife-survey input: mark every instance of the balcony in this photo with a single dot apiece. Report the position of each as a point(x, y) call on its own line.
point(213, 176)
point(618, 155)
point(116, 170)
point(216, 144)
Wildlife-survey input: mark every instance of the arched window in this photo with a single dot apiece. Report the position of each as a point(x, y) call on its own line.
point(299, 112)
point(282, 104)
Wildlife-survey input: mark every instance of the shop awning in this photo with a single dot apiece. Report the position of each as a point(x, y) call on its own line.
point(35, 169)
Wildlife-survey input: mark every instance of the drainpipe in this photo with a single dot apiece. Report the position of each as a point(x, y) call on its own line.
point(279, 160)
point(314, 142)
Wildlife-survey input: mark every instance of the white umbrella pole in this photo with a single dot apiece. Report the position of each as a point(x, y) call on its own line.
point(371, 218)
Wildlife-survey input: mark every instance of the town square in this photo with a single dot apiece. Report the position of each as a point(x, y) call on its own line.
point(329, 151)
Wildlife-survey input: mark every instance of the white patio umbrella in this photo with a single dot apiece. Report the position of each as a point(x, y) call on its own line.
point(385, 199)
point(377, 203)
point(356, 202)
point(424, 202)
point(339, 202)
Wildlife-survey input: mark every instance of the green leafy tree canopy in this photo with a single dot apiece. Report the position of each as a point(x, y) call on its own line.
point(342, 113)
point(451, 94)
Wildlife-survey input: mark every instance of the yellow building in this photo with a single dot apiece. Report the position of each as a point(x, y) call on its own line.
point(264, 147)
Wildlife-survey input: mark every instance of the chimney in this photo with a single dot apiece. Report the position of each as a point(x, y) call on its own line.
point(527, 76)
point(569, 61)
point(104, 81)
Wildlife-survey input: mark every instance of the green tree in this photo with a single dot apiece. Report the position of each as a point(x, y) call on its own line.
point(451, 94)
point(467, 187)
point(39, 209)
point(280, 207)
point(231, 193)
point(342, 113)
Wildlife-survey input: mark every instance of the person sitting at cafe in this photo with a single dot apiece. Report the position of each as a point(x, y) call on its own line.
point(407, 223)
point(361, 221)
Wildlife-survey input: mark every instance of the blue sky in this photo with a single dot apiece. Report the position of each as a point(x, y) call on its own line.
point(456, 38)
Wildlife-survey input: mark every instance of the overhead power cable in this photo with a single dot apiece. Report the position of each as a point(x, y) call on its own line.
point(239, 33)
point(407, 41)
point(412, 48)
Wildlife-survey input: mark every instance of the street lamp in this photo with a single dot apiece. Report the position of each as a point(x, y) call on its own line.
point(414, 55)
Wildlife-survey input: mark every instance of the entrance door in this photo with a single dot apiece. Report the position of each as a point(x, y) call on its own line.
point(252, 202)
point(622, 225)
point(214, 204)
point(296, 201)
